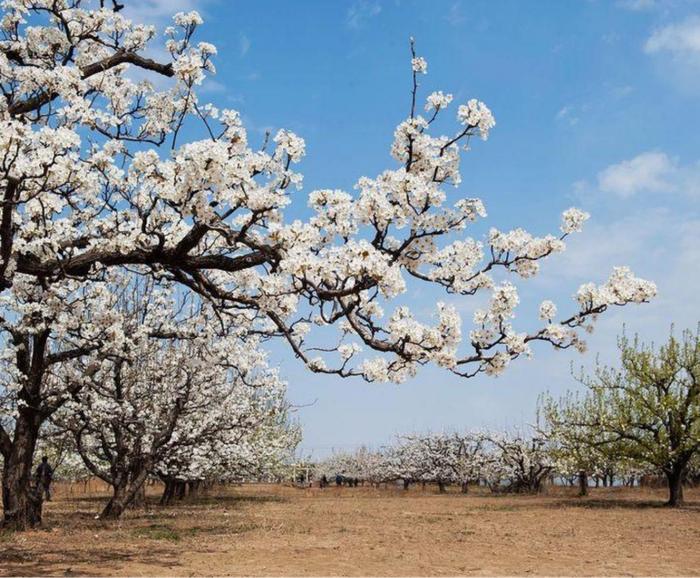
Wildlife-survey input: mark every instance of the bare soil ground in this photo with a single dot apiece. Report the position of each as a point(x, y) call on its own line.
point(267, 530)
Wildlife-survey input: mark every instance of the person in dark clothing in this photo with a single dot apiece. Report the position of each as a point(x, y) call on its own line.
point(44, 476)
point(324, 481)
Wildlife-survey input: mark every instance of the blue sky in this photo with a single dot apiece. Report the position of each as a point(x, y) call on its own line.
point(597, 105)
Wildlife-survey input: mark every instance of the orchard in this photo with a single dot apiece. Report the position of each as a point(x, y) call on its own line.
point(154, 267)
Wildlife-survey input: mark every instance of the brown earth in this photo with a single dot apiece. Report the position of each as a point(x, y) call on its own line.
point(275, 530)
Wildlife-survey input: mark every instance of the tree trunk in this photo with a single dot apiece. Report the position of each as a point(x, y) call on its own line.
point(117, 503)
point(465, 487)
point(168, 491)
point(124, 492)
point(582, 483)
point(406, 483)
point(194, 487)
point(139, 500)
point(441, 486)
point(21, 504)
point(675, 487)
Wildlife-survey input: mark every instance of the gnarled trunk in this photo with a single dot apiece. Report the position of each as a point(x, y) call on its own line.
point(117, 503)
point(125, 490)
point(21, 503)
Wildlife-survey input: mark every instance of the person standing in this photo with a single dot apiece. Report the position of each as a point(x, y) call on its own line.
point(44, 477)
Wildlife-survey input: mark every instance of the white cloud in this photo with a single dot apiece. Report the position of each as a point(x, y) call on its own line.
point(652, 172)
point(360, 12)
point(680, 39)
point(645, 239)
point(676, 51)
point(648, 172)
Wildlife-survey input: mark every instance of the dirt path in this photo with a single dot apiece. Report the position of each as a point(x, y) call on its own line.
point(270, 530)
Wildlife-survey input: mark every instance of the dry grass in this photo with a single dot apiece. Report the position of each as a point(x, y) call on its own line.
point(273, 530)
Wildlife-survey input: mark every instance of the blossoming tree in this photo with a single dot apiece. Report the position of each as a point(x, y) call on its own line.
point(438, 458)
point(170, 398)
point(43, 329)
point(94, 175)
point(517, 462)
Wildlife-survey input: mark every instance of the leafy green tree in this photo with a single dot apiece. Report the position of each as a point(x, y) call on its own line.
point(648, 409)
point(576, 450)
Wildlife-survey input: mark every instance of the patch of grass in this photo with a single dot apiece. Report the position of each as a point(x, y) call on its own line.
point(157, 532)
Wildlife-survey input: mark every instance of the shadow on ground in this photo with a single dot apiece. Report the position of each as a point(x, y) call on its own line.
point(18, 562)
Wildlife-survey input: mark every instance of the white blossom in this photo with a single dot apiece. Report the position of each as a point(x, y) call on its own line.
point(419, 65)
point(437, 101)
point(476, 114)
point(548, 310)
point(573, 220)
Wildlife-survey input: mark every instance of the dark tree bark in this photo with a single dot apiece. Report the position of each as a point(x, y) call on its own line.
point(117, 503)
point(21, 507)
point(125, 489)
point(583, 483)
point(675, 486)
point(168, 491)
